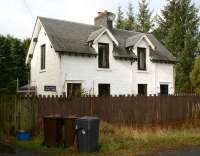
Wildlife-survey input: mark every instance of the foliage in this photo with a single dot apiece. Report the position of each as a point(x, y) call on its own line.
point(12, 63)
point(178, 30)
point(145, 23)
point(130, 23)
point(120, 23)
point(195, 76)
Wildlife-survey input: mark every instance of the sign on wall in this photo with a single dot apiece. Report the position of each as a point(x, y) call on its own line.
point(50, 88)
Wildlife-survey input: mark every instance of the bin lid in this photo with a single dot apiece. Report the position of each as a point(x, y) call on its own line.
point(52, 116)
point(71, 117)
point(87, 122)
point(89, 118)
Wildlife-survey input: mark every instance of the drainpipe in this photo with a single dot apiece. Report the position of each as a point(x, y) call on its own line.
point(155, 79)
point(132, 61)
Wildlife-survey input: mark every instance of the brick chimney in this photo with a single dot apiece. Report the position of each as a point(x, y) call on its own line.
point(105, 19)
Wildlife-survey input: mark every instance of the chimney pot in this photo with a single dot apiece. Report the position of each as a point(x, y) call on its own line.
point(103, 19)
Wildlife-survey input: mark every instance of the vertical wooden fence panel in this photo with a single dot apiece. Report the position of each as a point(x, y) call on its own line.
point(28, 112)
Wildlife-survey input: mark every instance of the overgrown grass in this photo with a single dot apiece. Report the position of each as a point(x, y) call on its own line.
point(116, 140)
point(123, 139)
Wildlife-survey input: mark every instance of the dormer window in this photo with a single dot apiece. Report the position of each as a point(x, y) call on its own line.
point(141, 53)
point(103, 55)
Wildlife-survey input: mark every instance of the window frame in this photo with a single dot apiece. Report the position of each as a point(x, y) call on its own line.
point(104, 84)
point(107, 59)
point(167, 89)
point(139, 51)
point(73, 91)
point(43, 57)
point(146, 89)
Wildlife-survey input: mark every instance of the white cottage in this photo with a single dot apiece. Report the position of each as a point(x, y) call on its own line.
point(72, 58)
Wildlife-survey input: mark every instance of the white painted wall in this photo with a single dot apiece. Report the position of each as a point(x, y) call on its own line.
point(51, 74)
point(144, 77)
point(156, 73)
point(86, 71)
point(123, 76)
point(165, 75)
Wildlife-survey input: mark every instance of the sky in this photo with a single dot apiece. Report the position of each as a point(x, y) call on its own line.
point(17, 17)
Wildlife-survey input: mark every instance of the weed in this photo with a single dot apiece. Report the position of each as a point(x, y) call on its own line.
point(120, 140)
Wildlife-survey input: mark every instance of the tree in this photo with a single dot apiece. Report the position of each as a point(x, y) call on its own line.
point(130, 20)
point(120, 22)
point(5, 63)
point(179, 31)
point(145, 23)
point(12, 63)
point(195, 75)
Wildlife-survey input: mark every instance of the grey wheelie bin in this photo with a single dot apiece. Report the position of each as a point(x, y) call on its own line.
point(88, 133)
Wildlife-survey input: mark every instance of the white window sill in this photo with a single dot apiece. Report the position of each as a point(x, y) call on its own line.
point(42, 71)
point(142, 71)
point(104, 69)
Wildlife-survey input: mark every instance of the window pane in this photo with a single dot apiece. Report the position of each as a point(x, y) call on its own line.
point(103, 56)
point(142, 89)
point(100, 56)
point(141, 58)
point(73, 89)
point(164, 89)
point(104, 89)
point(43, 51)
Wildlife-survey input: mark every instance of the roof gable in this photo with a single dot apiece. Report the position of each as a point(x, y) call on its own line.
point(109, 34)
point(136, 39)
point(34, 37)
point(95, 34)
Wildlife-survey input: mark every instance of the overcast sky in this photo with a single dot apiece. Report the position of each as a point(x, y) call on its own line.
point(17, 17)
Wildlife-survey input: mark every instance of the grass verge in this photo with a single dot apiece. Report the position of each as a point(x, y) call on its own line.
point(116, 140)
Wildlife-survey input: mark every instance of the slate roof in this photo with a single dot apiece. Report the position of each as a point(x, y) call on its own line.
point(71, 37)
point(160, 53)
point(131, 41)
point(95, 34)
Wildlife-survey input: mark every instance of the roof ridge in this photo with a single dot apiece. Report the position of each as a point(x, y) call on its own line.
point(62, 20)
point(127, 30)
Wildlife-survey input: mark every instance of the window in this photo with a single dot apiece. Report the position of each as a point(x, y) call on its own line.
point(73, 89)
point(104, 89)
point(164, 89)
point(142, 89)
point(103, 56)
point(43, 51)
point(141, 53)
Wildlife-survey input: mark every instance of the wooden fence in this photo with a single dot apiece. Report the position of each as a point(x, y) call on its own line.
point(28, 112)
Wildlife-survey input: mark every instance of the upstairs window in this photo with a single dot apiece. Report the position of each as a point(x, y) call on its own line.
point(141, 53)
point(103, 56)
point(43, 59)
